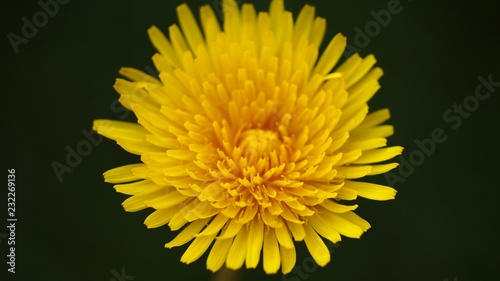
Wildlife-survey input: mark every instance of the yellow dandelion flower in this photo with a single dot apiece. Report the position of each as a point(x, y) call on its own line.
point(250, 139)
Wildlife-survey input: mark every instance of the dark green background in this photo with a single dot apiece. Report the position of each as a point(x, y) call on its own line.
point(443, 223)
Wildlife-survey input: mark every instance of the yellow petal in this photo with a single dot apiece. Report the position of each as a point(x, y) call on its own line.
point(237, 253)
point(303, 23)
point(346, 194)
point(371, 78)
point(297, 230)
point(137, 148)
point(231, 230)
point(363, 91)
point(365, 145)
point(355, 219)
point(189, 27)
point(179, 44)
point(383, 168)
point(197, 248)
point(376, 118)
point(231, 20)
point(152, 121)
point(271, 253)
point(255, 238)
point(371, 190)
point(187, 233)
point(248, 17)
point(120, 130)
point(288, 259)
point(324, 227)
point(184, 155)
point(160, 217)
point(162, 64)
point(170, 198)
point(132, 93)
point(161, 43)
point(375, 132)
point(210, 24)
point(137, 202)
point(122, 174)
point(359, 71)
point(276, 9)
point(137, 187)
point(349, 157)
point(331, 55)
point(348, 68)
point(218, 254)
point(138, 75)
point(335, 207)
point(318, 31)
point(316, 246)
point(379, 155)
point(353, 172)
point(328, 220)
point(283, 236)
point(215, 225)
point(179, 219)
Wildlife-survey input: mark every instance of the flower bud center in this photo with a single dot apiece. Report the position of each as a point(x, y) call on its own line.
point(258, 143)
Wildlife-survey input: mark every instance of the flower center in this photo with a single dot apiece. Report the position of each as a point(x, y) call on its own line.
point(258, 143)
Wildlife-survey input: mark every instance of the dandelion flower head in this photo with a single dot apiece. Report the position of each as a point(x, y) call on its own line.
point(251, 139)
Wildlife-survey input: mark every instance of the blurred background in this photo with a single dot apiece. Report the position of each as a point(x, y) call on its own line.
point(57, 77)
